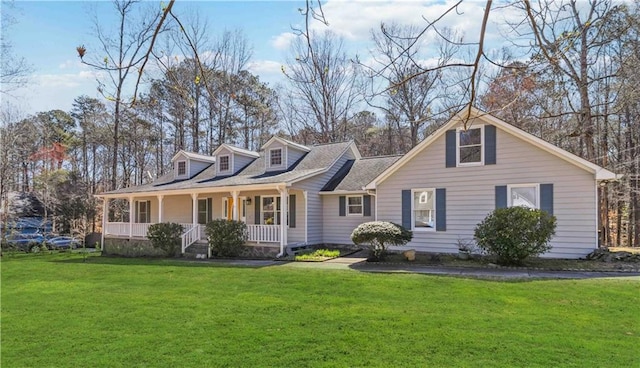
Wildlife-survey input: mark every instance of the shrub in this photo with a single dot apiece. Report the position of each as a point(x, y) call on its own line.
point(378, 235)
point(226, 237)
point(166, 236)
point(515, 233)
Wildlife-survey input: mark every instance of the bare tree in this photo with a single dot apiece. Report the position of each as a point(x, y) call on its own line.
point(122, 53)
point(14, 70)
point(323, 83)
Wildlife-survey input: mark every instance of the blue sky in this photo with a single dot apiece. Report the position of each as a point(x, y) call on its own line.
point(47, 33)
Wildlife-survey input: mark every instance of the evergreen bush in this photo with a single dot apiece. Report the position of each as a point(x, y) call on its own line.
point(167, 237)
point(378, 235)
point(227, 238)
point(515, 233)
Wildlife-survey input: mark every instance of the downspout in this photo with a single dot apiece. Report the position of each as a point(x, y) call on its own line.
point(372, 192)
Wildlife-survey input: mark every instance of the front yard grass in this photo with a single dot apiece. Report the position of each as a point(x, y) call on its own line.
point(58, 311)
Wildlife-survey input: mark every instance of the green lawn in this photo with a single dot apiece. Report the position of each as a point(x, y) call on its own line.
point(60, 312)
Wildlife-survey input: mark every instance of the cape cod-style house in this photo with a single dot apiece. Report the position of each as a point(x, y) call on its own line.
point(290, 194)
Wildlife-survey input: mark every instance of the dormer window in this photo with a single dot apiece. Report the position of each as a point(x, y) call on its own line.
point(224, 163)
point(182, 168)
point(470, 146)
point(275, 157)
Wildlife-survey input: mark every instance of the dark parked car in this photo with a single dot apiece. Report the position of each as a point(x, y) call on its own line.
point(63, 242)
point(24, 242)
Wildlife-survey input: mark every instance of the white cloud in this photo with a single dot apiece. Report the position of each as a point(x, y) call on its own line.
point(265, 66)
point(56, 91)
point(283, 40)
point(355, 19)
point(71, 63)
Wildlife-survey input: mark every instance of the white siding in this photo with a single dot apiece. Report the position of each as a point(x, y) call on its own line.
point(470, 194)
point(338, 228)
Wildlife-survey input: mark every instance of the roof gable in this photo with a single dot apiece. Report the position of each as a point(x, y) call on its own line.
point(285, 142)
point(236, 150)
point(192, 156)
point(600, 173)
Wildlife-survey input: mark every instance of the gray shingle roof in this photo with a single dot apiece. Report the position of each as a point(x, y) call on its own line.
point(360, 173)
point(317, 160)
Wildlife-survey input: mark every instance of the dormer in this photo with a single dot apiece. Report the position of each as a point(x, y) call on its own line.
point(231, 159)
point(280, 153)
point(187, 164)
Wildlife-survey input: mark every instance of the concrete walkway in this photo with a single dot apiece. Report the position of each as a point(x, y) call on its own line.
point(358, 263)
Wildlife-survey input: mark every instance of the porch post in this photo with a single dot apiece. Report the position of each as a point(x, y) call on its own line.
point(160, 198)
point(234, 210)
point(194, 214)
point(131, 217)
point(105, 219)
point(284, 207)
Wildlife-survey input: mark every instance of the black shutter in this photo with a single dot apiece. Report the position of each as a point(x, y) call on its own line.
point(292, 210)
point(451, 148)
point(209, 211)
point(148, 219)
point(135, 212)
point(501, 196)
point(546, 198)
point(366, 205)
point(342, 204)
point(489, 145)
point(256, 207)
point(406, 209)
point(441, 209)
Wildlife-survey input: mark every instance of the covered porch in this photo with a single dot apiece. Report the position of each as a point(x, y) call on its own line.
point(270, 212)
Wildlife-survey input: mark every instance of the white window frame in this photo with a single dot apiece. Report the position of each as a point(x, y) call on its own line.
point(282, 157)
point(276, 211)
point(349, 205)
point(147, 211)
point(229, 163)
point(186, 168)
point(413, 210)
point(461, 129)
point(207, 210)
point(525, 185)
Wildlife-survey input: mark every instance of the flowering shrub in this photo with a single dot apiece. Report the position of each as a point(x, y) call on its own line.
point(166, 236)
point(378, 235)
point(226, 237)
point(515, 233)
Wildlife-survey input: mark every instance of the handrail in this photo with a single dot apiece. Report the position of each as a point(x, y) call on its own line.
point(190, 236)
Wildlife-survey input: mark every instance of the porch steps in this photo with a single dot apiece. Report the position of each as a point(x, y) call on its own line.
point(295, 248)
point(197, 250)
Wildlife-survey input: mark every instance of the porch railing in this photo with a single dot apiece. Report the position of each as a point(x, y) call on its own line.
point(257, 233)
point(117, 228)
point(264, 233)
point(190, 236)
point(139, 229)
